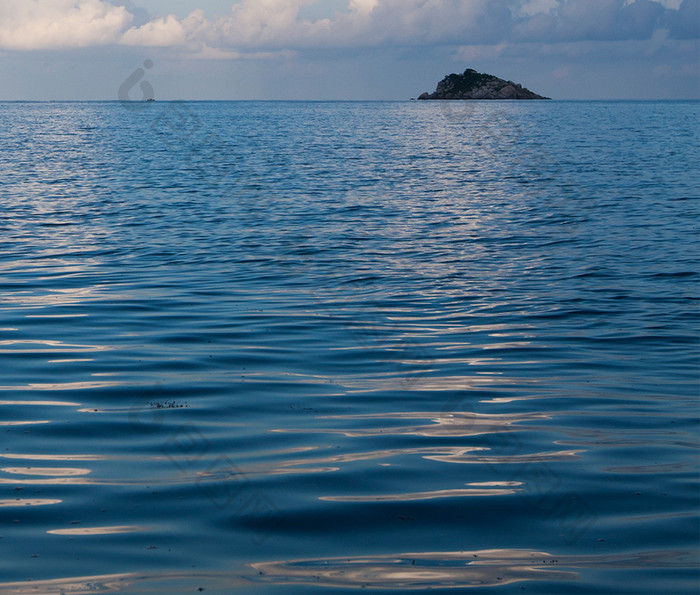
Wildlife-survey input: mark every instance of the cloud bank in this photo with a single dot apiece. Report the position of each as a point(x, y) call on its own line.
point(255, 26)
point(51, 24)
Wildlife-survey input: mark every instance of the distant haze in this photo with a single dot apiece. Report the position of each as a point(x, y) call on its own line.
point(347, 49)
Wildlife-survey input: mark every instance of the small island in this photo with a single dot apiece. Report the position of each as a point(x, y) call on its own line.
point(477, 85)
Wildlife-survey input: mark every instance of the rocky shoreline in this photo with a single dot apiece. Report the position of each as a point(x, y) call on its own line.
point(477, 85)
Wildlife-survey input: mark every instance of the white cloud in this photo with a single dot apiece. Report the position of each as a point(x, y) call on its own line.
point(167, 31)
point(363, 6)
point(275, 24)
point(261, 26)
point(674, 4)
point(260, 23)
point(48, 24)
point(207, 53)
point(161, 32)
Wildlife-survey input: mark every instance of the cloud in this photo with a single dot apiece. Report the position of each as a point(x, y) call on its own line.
point(276, 24)
point(258, 27)
point(50, 24)
point(263, 24)
point(685, 22)
point(161, 32)
point(592, 20)
point(168, 31)
point(255, 25)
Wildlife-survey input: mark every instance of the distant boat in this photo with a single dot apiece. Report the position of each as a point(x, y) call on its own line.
point(150, 99)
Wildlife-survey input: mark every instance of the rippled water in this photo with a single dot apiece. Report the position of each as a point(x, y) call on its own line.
point(349, 347)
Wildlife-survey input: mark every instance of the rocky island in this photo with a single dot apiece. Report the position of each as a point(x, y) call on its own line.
point(477, 85)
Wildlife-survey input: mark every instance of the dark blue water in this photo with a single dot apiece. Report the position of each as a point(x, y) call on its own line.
point(349, 347)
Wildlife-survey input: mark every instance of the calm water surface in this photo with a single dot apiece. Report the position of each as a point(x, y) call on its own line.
point(349, 347)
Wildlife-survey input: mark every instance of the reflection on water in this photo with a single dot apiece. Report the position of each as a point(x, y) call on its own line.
point(62, 386)
point(96, 530)
point(28, 502)
point(399, 572)
point(445, 423)
point(454, 570)
point(41, 403)
point(70, 586)
point(58, 345)
point(261, 348)
point(423, 495)
point(537, 457)
point(126, 582)
point(46, 482)
point(49, 457)
point(47, 471)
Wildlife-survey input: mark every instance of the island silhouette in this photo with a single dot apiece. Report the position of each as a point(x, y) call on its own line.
point(478, 85)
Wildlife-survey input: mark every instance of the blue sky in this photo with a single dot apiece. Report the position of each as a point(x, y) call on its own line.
point(347, 49)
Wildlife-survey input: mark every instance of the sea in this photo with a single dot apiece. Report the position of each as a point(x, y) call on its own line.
point(349, 347)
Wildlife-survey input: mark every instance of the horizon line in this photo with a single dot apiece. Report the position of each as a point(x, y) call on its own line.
point(410, 100)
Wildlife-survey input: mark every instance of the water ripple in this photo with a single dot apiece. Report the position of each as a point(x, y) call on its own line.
point(263, 347)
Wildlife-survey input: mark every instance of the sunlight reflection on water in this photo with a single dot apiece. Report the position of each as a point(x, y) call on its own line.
point(272, 354)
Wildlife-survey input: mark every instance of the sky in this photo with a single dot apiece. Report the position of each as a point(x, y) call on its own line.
point(345, 49)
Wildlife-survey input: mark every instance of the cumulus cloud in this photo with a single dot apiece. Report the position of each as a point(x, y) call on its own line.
point(592, 20)
point(261, 26)
point(276, 24)
point(161, 32)
point(48, 24)
point(168, 31)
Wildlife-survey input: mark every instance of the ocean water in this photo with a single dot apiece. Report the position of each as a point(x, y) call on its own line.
point(312, 347)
